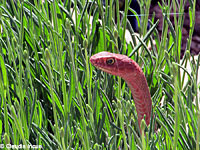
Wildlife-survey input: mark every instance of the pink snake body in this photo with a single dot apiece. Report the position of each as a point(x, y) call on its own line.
point(130, 71)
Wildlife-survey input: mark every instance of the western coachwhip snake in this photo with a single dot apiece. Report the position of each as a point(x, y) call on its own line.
point(130, 71)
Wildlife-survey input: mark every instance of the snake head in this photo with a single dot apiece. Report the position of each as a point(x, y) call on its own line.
point(115, 64)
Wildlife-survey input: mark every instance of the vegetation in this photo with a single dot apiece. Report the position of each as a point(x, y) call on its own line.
point(50, 95)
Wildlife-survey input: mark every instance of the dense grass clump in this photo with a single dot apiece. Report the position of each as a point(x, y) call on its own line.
point(51, 96)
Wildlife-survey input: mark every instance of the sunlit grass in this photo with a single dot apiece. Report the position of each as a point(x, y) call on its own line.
point(50, 95)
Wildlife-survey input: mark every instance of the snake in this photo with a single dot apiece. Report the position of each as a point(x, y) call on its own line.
point(126, 68)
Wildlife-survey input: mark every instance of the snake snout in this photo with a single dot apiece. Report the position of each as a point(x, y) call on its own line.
point(95, 61)
point(92, 60)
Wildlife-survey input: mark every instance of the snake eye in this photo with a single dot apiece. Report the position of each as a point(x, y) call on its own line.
point(110, 61)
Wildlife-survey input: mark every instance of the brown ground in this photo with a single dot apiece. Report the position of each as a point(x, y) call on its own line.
point(195, 45)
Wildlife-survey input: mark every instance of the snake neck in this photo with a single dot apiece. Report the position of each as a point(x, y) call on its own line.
point(141, 95)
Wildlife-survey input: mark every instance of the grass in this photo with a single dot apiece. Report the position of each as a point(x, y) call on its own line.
point(50, 95)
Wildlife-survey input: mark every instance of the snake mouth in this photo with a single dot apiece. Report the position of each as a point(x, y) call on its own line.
point(103, 69)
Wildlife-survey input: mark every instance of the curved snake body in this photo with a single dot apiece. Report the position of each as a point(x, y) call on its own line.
point(129, 70)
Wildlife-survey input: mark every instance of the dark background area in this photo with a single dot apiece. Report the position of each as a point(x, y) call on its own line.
point(195, 45)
